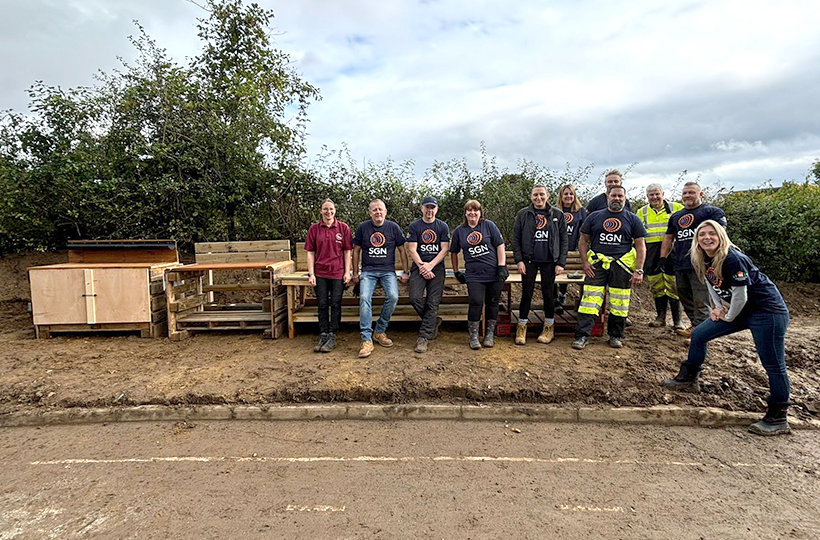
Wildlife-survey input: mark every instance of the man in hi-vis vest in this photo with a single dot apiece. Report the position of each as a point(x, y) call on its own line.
point(613, 251)
point(661, 278)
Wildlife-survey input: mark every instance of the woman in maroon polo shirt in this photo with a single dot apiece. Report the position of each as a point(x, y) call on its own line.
point(329, 246)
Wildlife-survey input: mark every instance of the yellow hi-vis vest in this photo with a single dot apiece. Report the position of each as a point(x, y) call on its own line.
point(656, 221)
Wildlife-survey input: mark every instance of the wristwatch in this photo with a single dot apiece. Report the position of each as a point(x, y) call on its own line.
point(639, 272)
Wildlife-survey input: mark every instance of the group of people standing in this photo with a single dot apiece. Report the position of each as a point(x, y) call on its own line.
point(681, 249)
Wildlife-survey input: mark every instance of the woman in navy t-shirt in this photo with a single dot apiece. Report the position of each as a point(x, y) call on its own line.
point(743, 297)
point(486, 269)
point(574, 215)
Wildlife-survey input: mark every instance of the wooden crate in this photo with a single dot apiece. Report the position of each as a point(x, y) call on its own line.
point(111, 285)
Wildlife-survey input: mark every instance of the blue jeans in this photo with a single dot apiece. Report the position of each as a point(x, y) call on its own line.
point(769, 333)
point(367, 284)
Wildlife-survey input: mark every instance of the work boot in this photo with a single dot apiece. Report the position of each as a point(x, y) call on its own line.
point(473, 328)
point(383, 340)
point(685, 332)
point(321, 342)
point(580, 342)
point(775, 422)
point(615, 342)
point(436, 328)
point(627, 322)
point(489, 334)
point(677, 314)
point(547, 334)
point(421, 345)
point(366, 350)
point(521, 334)
point(558, 305)
point(660, 309)
point(686, 379)
point(330, 344)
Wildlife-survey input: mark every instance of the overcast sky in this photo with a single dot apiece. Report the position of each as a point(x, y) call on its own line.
point(727, 90)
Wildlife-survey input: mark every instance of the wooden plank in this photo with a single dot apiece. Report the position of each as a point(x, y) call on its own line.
point(189, 302)
point(255, 256)
point(182, 273)
point(457, 313)
point(242, 246)
point(158, 303)
point(187, 286)
point(222, 287)
point(157, 287)
point(99, 327)
point(123, 255)
point(90, 304)
point(159, 330)
point(226, 316)
point(57, 296)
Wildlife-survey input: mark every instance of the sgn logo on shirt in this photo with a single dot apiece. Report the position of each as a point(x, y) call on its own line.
point(377, 240)
point(429, 240)
point(477, 249)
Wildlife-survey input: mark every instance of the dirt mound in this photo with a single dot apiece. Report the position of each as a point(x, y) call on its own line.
point(104, 370)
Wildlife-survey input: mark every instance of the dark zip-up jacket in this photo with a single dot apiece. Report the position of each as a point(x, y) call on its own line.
point(524, 235)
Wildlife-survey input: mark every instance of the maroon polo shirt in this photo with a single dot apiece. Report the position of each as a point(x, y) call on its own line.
point(328, 245)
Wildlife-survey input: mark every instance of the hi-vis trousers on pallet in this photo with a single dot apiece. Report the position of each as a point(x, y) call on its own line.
point(614, 273)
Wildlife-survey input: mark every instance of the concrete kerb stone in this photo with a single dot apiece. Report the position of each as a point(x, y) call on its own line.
point(659, 415)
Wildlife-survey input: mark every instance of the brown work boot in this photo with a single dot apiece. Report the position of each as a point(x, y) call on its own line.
point(686, 332)
point(521, 334)
point(547, 334)
point(383, 340)
point(366, 350)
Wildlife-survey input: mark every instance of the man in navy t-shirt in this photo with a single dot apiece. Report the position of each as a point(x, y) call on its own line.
point(679, 235)
point(600, 202)
point(428, 242)
point(375, 242)
point(613, 250)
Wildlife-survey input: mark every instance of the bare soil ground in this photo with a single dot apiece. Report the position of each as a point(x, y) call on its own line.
point(103, 370)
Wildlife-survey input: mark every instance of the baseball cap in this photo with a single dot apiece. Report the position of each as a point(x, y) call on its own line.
point(429, 201)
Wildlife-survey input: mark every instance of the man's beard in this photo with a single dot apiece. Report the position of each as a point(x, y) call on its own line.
point(616, 206)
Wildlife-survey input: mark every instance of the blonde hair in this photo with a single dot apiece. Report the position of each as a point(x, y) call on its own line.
point(576, 204)
point(698, 256)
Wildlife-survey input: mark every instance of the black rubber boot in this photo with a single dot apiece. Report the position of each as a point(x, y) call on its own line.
point(775, 422)
point(473, 328)
point(677, 314)
point(660, 309)
point(686, 379)
point(489, 334)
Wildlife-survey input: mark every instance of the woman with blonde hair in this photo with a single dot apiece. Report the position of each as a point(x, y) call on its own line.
point(743, 297)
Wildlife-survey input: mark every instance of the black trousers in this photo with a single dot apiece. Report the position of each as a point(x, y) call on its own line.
point(484, 294)
point(329, 300)
point(426, 305)
point(547, 289)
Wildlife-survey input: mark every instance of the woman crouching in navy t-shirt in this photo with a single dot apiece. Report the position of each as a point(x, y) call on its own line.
point(486, 269)
point(743, 298)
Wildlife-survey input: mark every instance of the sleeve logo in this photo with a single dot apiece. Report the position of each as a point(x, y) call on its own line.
point(474, 238)
point(429, 236)
point(686, 221)
point(377, 239)
point(612, 225)
point(741, 275)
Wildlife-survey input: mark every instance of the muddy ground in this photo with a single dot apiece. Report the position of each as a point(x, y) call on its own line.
point(104, 370)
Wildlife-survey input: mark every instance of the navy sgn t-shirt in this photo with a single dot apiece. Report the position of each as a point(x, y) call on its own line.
point(428, 238)
point(478, 244)
point(738, 270)
point(541, 252)
point(378, 245)
point(682, 225)
point(574, 221)
point(612, 233)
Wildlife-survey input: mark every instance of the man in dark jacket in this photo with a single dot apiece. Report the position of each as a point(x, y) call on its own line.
point(539, 243)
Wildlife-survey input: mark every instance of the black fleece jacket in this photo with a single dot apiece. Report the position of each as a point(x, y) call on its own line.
point(524, 235)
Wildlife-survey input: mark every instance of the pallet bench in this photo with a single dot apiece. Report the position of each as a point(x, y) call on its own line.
point(454, 307)
point(191, 289)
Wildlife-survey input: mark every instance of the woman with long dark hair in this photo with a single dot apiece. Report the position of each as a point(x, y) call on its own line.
point(486, 271)
point(743, 297)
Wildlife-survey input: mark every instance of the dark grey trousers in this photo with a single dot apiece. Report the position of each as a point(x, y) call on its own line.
point(693, 295)
point(426, 305)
